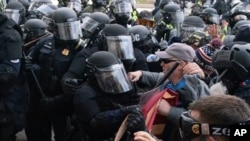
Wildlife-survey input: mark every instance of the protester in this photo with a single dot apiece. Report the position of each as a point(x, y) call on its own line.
point(189, 86)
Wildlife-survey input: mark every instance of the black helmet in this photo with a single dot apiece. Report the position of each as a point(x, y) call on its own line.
point(44, 10)
point(237, 13)
point(122, 11)
point(108, 72)
point(191, 24)
point(210, 16)
point(115, 38)
point(164, 2)
point(94, 23)
point(67, 26)
point(172, 13)
point(238, 25)
point(35, 4)
point(232, 60)
point(25, 3)
point(99, 3)
point(16, 11)
point(143, 38)
point(34, 28)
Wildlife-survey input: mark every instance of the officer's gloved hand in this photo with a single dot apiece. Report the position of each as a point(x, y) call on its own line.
point(135, 120)
point(160, 30)
point(28, 64)
point(70, 85)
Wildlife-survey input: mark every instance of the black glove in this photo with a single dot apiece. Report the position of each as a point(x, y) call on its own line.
point(70, 85)
point(136, 122)
point(28, 65)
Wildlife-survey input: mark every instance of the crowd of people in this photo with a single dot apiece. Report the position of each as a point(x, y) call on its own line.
point(86, 71)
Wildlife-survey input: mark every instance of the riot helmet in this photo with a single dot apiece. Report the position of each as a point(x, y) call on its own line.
point(35, 4)
point(94, 23)
point(191, 24)
point(143, 38)
point(15, 11)
point(164, 2)
point(48, 20)
point(25, 3)
point(109, 72)
point(116, 39)
point(232, 65)
point(145, 18)
point(122, 11)
point(45, 10)
point(231, 61)
point(210, 16)
point(100, 3)
point(238, 25)
point(172, 13)
point(237, 13)
point(66, 24)
point(33, 28)
point(75, 5)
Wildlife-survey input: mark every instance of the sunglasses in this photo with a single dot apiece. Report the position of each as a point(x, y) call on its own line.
point(166, 61)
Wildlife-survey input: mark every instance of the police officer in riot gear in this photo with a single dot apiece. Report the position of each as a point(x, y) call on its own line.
point(92, 25)
point(144, 40)
point(97, 6)
point(231, 64)
point(49, 60)
point(172, 17)
point(122, 10)
point(15, 11)
point(113, 38)
point(210, 16)
point(33, 31)
point(103, 102)
point(13, 87)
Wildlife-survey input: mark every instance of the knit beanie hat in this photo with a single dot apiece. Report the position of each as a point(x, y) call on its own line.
point(204, 54)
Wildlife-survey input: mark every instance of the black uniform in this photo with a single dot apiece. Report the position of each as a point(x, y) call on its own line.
point(100, 107)
point(51, 58)
point(13, 90)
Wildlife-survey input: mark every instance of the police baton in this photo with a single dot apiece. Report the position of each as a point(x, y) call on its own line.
point(36, 80)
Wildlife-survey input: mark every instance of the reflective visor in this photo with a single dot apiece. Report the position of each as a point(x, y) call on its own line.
point(214, 18)
point(12, 14)
point(74, 5)
point(68, 30)
point(89, 24)
point(123, 8)
point(45, 9)
point(113, 79)
point(177, 17)
point(121, 46)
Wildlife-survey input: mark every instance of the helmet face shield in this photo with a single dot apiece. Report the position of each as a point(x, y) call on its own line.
point(121, 46)
point(12, 14)
point(113, 79)
point(68, 30)
point(177, 17)
point(214, 19)
point(123, 8)
point(45, 10)
point(75, 5)
point(89, 24)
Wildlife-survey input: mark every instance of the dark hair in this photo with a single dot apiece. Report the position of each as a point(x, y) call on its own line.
point(221, 109)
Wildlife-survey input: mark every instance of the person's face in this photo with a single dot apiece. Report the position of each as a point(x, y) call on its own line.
point(167, 64)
